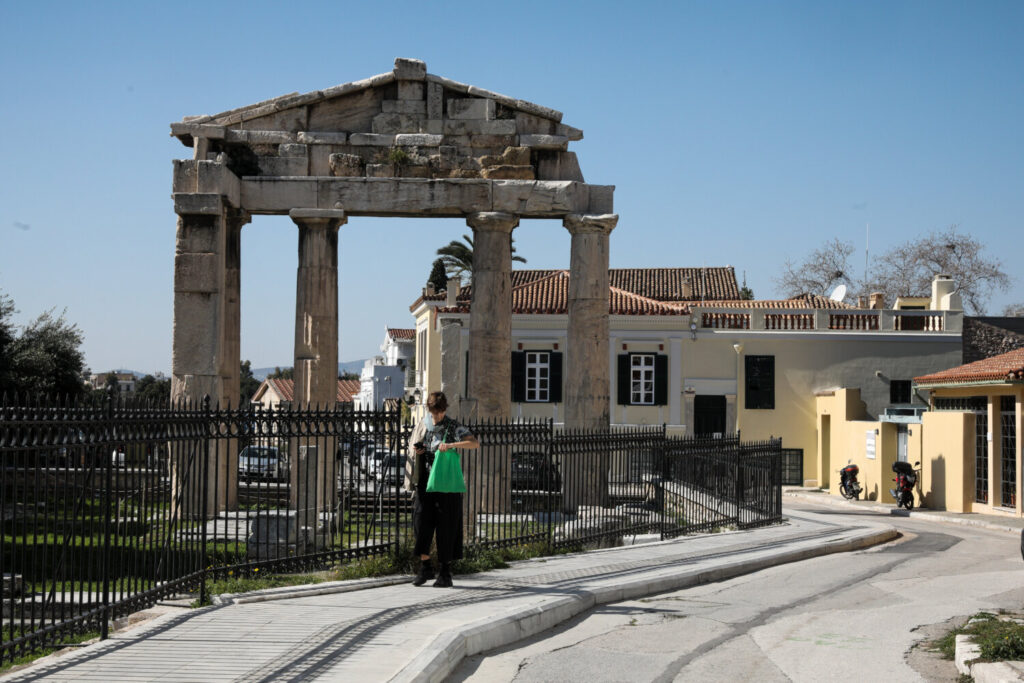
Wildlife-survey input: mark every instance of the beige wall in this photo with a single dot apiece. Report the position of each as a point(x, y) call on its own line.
point(948, 466)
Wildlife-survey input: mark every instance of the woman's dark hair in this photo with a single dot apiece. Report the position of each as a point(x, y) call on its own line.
point(437, 401)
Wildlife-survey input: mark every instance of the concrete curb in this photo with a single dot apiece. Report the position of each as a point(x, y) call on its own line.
point(304, 591)
point(920, 513)
point(984, 672)
point(440, 657)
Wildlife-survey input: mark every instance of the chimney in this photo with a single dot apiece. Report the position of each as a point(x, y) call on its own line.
point(860, 302)
point(944, 294)
point(452, 291)
point(687, 288)
point(876, 301)
point(429, 289)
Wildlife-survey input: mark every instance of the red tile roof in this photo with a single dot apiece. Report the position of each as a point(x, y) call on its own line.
point(549, 295)
point(1006, 367)
point(285, 388)
point(401, 333)
point(806, 301)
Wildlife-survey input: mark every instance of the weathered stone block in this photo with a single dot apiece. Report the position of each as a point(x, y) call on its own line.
point(415, 172)
point(464, 173)
point(447, 157)
point(499, 141)
point(293, 150)
point(435, 101)
point(508, 172)
point(275, 194)
point(185, 176)
point(418, 140)
point(204, 204)
point(196, 334)
point(404, 107)
point(196, 273)
point(384, 196)
point(478, 127)
point(283, 166)
point(215, 178)
point(432, 126)
point(391, 123)
point(410, 69)
point(380, 170)
point(320, 138)
point(602, 199)
point(528, 123)
point(540, 197)
point(569, 132)
point(559, 166)
point(516, 156)
point(346, 165)
point(470, 108)
point(260, 137)
point(557, 142)
point(371, 139)
point(410, 90)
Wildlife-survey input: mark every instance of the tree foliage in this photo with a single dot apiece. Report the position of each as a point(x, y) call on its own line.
point(45, 358)
point(281, 373)
point(905, 270)
point(457, 256)
point(153, 390)
point(248, 384)
point(1014, 310)
point(438, 277)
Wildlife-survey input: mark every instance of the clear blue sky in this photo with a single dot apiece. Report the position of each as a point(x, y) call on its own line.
point(737, 133)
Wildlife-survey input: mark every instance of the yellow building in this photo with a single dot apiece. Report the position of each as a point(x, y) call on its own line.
point(686, 352)
point(971, 453)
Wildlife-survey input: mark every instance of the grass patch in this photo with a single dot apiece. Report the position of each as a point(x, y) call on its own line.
point(6, 665)
point(999, 639)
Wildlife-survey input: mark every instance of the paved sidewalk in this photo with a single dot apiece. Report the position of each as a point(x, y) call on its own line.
point(401, 633)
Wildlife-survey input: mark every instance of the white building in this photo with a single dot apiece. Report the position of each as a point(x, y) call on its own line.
point(384, 376)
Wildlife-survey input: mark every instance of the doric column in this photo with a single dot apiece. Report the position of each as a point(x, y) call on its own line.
point(316, 306)
point(313, 475)
point(490, 326)
point(586, 363)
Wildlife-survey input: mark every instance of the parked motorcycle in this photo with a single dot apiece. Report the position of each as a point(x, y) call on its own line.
point(906, 480)
point(848, 484)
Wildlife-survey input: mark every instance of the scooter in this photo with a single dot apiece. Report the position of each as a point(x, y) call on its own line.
point(848, 484)
point(906, 480)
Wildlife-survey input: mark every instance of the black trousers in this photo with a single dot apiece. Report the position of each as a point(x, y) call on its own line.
point(439, 513)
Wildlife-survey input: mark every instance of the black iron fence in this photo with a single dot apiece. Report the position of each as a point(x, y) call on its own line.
point(108, 509)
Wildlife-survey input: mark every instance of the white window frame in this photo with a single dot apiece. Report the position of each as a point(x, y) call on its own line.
point(641, 379)
point(538, 376)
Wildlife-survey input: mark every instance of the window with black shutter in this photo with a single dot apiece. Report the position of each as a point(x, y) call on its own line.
point(536, 377)
point(899, 391)
point(760, 382)
point(643, 379)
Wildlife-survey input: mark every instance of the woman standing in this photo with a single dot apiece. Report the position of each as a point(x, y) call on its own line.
point(436, 513)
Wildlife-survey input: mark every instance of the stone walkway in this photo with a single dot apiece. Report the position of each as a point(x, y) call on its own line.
point(402, 633)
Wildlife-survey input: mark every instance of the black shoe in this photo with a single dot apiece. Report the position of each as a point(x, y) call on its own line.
point(444, 579)
point(426, 573)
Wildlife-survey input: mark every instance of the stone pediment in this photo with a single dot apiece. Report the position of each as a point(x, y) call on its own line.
point(406, 123)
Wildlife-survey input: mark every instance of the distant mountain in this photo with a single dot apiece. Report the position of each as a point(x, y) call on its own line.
point(349, 366)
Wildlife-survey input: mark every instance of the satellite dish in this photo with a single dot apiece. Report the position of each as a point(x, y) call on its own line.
point(838, 294)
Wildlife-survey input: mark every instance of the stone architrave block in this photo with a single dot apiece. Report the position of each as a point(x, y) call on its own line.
point(602, 199)
point(199, 130)
point(292, 150)
point(404, 107)
point(186, 176)
point(557, 142)
point(283, 166)
point(196, 273)
point(320, 138)
point(276, 194)
point(418, 140)
point(508, 172)
point(410, 196)
point(540, 197)
point(435, 101)
point(410, 90)
point(196, 203)
point(478, 127)
point(410, 69)
point(371, 140)
point(260, 137)
point(213, 177)
point(500, 141)
point(569, 132)
point(560, 166)
point(346, 165)
point(471, 108)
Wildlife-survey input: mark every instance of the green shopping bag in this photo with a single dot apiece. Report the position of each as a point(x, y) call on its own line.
point(446, 472)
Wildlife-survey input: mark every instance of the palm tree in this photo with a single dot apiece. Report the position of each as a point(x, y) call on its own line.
point(457, 256)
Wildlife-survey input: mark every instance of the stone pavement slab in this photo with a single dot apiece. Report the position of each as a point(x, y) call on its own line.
point(402, 633)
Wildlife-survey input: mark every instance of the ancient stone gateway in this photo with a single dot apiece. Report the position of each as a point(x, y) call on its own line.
point(403, 143)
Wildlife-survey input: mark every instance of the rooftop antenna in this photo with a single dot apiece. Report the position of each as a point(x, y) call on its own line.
point(839, 293)
point(867, 239)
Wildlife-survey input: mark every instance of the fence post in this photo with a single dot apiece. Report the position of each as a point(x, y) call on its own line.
point(205, 467)
point(107, 484)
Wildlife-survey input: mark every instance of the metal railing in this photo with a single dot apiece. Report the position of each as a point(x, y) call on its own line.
point(109, 508)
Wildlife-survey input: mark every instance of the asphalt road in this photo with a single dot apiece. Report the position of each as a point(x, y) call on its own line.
point(857, 616)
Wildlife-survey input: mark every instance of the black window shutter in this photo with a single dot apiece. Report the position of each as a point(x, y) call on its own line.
point(555, 378)
point(660, 380)
point(624, 396)
point(759, 382)
point(518, 376)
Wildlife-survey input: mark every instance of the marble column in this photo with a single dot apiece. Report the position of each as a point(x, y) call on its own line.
point(314, 489)
point(586, 364)
point(490, 326)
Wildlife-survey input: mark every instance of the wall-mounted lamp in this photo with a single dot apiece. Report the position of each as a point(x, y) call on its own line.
point(738, 348)
point(693, 330)
point(876, 432)
point(878, 373)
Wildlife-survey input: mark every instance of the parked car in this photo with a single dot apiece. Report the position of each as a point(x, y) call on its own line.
point(262, 463)
point(391, 469)
point(533, 471)
point(369, 457)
